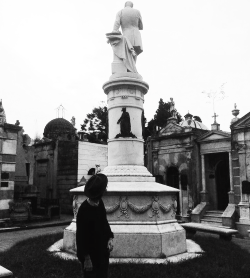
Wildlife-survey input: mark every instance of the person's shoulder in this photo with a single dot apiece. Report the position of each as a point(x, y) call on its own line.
point(120, 12)
point(83, 206)
point(101, 202)
point(138, 12)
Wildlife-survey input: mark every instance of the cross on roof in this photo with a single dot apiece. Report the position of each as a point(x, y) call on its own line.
point(215, 116)
point(61, 109)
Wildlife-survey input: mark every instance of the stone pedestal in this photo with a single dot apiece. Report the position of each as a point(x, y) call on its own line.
point(244, 222)
point(142, 217)
point(140, 211)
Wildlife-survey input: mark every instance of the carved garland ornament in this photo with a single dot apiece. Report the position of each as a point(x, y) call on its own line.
point(155, 206)
point(123, 204)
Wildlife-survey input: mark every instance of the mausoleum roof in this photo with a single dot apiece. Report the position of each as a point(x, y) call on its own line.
point(191, 121)
point(58, 127)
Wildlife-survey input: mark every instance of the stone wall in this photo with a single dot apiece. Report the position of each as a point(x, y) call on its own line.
point(67, 166)
point(90, 154)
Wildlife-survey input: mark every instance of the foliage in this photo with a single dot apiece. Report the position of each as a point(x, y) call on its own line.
point(160, 118)
point(37, 139)
point(222, 259)
point(96, 122)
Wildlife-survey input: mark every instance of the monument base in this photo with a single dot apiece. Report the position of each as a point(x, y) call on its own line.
point(142, 218)
point(148, 240)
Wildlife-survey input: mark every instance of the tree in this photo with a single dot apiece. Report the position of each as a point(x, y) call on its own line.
point(96, 123)
point(160, 118)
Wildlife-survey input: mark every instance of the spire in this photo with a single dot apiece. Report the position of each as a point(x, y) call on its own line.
point(2, 114)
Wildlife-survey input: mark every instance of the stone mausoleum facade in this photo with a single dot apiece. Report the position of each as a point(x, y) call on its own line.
point(209, 167)
point(8, 151)
point(62, 160)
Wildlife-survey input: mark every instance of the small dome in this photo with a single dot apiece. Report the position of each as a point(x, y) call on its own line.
point(59, 128)
point(191, 121)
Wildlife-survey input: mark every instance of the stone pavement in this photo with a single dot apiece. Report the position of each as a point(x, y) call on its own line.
point(8, 239)
point(13, 235)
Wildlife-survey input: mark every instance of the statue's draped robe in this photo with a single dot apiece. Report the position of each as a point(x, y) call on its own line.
point(122, 49)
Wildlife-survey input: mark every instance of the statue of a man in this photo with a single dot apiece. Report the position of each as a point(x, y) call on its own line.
point(128, 45)
point(130, 21)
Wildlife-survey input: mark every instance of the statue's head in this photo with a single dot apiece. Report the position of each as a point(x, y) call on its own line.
point(129, 4)
point(123, 109)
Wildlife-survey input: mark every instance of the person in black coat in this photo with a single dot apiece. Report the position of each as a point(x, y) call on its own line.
point(93, 234)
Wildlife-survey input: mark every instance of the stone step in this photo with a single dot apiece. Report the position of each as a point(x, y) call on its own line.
point(35, 217)
point(211, 222)
point(212, 217)
point(219, 212)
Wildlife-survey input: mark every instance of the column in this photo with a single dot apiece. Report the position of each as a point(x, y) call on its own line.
point(231, 192)
point(180, 196)
point(203, 173)
point(203, 193)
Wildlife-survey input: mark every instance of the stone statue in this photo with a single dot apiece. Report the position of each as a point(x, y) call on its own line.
point(130, 21)
point(124, 122)
point(17, 122)
point(73, 121)
point(125, 125)
point(172, 108)
point(128, 45)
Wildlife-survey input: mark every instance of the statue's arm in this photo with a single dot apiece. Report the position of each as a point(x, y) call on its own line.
point(140, 25)
point(117, 23)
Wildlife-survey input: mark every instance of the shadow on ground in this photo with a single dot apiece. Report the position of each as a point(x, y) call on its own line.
point(30, 259)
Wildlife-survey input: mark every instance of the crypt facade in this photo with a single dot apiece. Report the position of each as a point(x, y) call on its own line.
point(209, 167)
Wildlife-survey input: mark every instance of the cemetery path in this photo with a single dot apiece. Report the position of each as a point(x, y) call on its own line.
point(8, 239)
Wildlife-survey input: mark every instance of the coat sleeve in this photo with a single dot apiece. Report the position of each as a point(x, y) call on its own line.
point(82, 234)
point(140, 25)
point(117, 23)
point(107, 226)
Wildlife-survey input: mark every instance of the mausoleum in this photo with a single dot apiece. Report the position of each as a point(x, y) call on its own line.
point(209, 167)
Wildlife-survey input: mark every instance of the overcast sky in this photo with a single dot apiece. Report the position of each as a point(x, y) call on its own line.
point(55, 53)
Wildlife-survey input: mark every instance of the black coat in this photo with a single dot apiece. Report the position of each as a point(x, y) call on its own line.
point(92, 231)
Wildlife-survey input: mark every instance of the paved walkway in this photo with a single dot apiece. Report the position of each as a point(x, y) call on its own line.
point(8, 239)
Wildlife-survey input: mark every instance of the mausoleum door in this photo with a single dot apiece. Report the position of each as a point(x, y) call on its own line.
point(173, 181)
point(222, 180)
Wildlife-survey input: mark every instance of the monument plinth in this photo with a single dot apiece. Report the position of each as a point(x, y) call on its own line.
point(140, 211)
